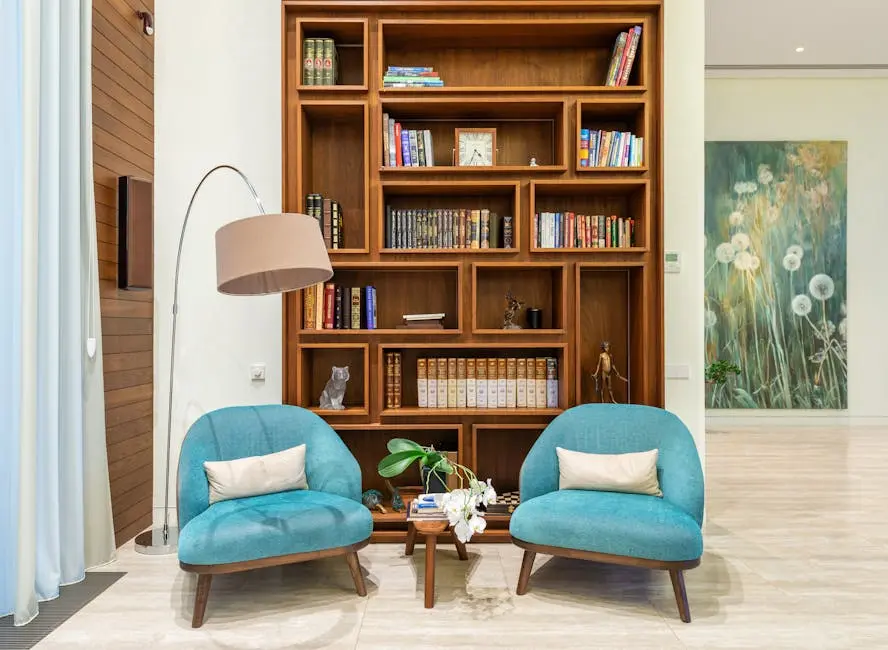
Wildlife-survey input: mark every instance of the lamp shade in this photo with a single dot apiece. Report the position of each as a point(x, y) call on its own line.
point(270, 253)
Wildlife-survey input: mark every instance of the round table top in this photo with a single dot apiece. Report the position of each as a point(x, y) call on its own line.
point(430, 527)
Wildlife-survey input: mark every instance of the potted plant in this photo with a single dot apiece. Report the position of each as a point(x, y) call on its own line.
point(717, 374)
point(464, 506)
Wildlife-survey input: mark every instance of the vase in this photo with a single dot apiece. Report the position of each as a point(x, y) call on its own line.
point(436, 482)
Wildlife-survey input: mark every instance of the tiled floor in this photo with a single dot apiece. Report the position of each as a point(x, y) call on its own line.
point(796, 557)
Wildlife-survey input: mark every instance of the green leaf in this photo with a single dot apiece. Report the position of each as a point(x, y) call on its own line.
point(402, 444)
point(396, 463)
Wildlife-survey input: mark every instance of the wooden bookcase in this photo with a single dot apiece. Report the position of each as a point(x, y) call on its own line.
point(534, 71)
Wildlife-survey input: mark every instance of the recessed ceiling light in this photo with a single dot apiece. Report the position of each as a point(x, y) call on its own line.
point(800, 49)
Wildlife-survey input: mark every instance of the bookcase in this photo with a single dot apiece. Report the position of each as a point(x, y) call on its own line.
point(535, 71)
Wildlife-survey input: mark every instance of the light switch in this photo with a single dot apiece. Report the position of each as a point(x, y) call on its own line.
point(257, 372)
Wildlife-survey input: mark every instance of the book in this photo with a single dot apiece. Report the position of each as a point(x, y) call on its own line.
point(461, 397)
point(481, 384)
point(540, 365)
point(308, 56)
point(420, 148)
point(476, 229)
point(429, 151)
point(395, 136)
point(396, 390)
point(327, 72)
point(386, 143)
point(432, 382)
point(530, 384)
point(405, 149)
point(329, 311)
point(584, 147)
point(355, 315)
point(318, 67)
point(492, 384)
point(451, 383)
point(511, 383)
point(414, 149)
point(485, 228)
point(423, 317)
point(633, 40)
point(616, 59)
point(389, 380)
point(442, 383)
point(471, 395)
point(521, 384)
point(308, 308)
point(551, 383)
point(501, 384)
point(327, 207)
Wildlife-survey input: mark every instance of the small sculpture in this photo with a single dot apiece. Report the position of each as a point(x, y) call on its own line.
point(397, 501)
point(334, 391)
point(513, 306)
point(604, 369)
point(533, 162)
point(372, 499)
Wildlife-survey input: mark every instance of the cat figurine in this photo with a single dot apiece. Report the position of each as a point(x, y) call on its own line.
point(334, 391)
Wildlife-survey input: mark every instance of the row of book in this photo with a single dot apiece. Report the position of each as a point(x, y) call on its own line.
point(447, 228)
point(571, 230)
point(406, 147)
point(331, 306)
point(456, 383)
point(610, 149)
point(320, 62)
point(623, 57)
point(393, 380)
point(329, 215)
point(398, 76)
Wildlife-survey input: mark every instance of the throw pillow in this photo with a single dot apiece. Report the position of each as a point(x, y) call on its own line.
point(254, 475)
point(635, 473)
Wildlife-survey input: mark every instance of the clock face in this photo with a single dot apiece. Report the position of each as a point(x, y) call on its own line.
point(476, 148)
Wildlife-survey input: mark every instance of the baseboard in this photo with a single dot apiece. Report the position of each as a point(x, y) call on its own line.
point(743, 418)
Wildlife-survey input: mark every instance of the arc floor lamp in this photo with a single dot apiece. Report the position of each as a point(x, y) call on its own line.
point(268, 253)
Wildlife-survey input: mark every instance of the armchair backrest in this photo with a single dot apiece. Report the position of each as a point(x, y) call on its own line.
point(241, 431)
point(620, 429)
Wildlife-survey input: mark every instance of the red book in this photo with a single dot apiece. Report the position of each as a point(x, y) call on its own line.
point(607, 232)
point(584, 242)
point(399, 160)
point(630, 37)
point(631, 241)
point(328, 306)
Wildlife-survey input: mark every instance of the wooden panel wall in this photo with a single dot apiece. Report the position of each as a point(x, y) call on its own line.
point(123, 145)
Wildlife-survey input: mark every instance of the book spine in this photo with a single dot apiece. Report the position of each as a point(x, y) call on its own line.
point(442, 383)
point(461, 397)
point(387, 128)
point(327, 74)
point(411, 228)
point(501, 384)
point(396, 390)
point(389, 380)
point(485, 228)
point(451, 383)
point(407, 161)
point(570, 240)
point(430, 152)
point(334, 225)
point(308, 54)
point(481, 384)
point(616, 59)
point(414, 149)
point(422, 384)
point(530, 384)
point(541, 383)
point(462, 229)
point(584, 147)
point(328, 222)
point(521, 384)
point(471, 393)
point(432, 373)
point(329, 310)
point(339, 312)
point(439, 228)
point(511, 383)
point(373, 310)
point(635, 37)
point(591, 241)
point(492, 384)
point(318, 67)
point(308, 307)
point(420, 148)
point(396, 143)
point(551, 383)
point(476, 229)
point(367, 320)
point(409, 69)
point(319, 309)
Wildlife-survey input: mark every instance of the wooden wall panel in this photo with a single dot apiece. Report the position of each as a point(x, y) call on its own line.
point(123, 145)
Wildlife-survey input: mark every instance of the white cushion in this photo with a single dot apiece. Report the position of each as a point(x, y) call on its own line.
point(254, 475)
point(635, 473)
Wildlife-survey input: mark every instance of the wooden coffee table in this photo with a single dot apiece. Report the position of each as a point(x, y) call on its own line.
point(430, 529)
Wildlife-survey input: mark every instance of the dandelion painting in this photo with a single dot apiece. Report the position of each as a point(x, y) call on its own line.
point(776, 273)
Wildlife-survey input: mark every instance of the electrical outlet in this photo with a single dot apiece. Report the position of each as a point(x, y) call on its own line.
point(257, 372)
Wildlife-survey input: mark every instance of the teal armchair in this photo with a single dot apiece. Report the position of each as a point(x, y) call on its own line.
point(632, 529)
point(295, 526)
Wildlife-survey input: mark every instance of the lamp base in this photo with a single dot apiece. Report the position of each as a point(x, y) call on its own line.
point(152, 542)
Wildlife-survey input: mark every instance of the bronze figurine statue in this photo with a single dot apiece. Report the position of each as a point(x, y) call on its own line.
point(604, 369)
point(513, 306)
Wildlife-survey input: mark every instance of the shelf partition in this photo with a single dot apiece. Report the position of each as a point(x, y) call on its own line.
point(314, 368)
point(539, 285)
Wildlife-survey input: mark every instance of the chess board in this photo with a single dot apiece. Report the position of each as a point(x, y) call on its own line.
point(511, 499)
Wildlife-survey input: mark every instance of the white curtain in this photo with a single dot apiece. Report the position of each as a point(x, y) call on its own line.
point(59, 512)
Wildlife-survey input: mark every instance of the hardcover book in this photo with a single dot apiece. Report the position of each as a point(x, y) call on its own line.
point(471, 396)
point(308, 56)
point(432, 390)
point(329, 55)
point(541, 383)
point(511, 383)
point(481, 384)
point(485, 228)
point(389, 380)
point(396, 391)
point(552, 383)
point(355, 322)
point(442, 383)
point(530, 384)
point(501, 384)
point(508, 232)
point(521, 384)
point(492, 384)
point(461, 398)
point(451, 383)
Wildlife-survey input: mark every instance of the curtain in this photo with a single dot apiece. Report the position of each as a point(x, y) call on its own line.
point(58, 513)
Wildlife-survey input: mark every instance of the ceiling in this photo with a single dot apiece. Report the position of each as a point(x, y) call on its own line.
point(766, 33)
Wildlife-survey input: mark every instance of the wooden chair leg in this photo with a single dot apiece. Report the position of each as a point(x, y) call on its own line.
point(681, 594)
point(411, 538)
point(460, 547)
point(200, 598)
point(354, 565)
point(431, 542)
point(524, 576)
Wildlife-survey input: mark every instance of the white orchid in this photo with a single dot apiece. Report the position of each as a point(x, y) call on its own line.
point(462, 507)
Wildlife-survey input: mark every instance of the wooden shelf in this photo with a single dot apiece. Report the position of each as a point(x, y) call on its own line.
point(313, 368)
point(350, 411)
point(608, 170)
point(448, 251)
point(496, 169)
point(498, 451)
point(590, 251)
point(406, 412)
point(541, 285)
point(554, 90)
point(331, 89)
point(613, 114)
point(407, 332)
point(351, 37)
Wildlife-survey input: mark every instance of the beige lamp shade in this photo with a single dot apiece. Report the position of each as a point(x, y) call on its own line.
point(270, 253)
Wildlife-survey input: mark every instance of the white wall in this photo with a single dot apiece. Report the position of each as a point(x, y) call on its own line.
point(217, 100)
point(827, 109)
